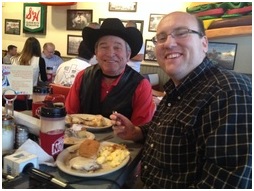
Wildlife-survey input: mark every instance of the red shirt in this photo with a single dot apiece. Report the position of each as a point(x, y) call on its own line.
point(142, 101)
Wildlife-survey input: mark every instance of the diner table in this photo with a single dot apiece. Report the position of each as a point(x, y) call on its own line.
point(112, 180)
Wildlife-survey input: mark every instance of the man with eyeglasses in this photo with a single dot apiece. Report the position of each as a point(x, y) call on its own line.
point(52, 61)
point(201, 133)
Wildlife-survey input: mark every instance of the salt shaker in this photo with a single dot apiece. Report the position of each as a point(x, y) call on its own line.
point(21, 135)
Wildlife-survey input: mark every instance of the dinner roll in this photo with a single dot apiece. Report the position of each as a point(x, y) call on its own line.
point(89, 148)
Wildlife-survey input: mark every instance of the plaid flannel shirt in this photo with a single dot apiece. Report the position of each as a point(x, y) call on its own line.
point(201, 133)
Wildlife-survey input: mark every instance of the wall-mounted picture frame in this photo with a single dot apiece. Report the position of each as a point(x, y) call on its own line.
point(140, 23)
point(154, 20)
point(77, 19)
point(73, 42)
point(34, 18)
point(223, 54)
point(12, 26)
point(149, 51)
point(124, 6)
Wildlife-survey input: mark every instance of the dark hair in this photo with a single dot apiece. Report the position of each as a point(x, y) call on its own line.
point(84, 52)
point(10, 47)
point(57, 53)
point(200, 26)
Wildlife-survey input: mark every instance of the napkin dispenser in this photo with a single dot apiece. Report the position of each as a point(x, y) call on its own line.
point(15, 163)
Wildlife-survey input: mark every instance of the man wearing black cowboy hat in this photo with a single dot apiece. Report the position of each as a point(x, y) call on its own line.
point(111, 85)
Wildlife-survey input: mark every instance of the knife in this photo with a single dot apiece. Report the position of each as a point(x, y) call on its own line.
point(40, 175)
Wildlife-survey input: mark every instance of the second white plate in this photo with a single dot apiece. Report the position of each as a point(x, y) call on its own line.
point(92, 128)
point(75, 140)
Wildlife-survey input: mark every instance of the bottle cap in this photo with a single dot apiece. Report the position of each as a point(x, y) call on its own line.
point(42, 89)
point(21, 128)
point(54, 111)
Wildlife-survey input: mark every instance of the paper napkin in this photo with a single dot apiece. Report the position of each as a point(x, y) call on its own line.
point(33, 148)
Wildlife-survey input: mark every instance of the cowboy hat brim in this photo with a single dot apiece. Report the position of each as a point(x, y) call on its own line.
point(130, 34)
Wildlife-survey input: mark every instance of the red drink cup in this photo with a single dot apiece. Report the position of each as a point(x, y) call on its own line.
point(52, 142)
point(36, 106)
point(52, 129)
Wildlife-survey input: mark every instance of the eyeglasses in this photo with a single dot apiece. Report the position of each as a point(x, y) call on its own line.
point(177, 34)
point(50, 52)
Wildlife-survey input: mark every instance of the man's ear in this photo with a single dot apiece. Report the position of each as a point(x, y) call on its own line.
point(205, 44)
point(128, 55)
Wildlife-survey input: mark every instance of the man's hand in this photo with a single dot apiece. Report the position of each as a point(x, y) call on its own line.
point(124, 128)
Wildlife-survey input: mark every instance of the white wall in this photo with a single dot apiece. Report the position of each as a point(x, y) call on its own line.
point(57, 33)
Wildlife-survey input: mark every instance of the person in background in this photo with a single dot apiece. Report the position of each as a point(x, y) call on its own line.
point(11, 51)
point(93, 25)
point(111, 85)
point(57, 53)
point(135, 62)
point(201, 133)
point(51, 59)
point(31, 56)
point(67, 71)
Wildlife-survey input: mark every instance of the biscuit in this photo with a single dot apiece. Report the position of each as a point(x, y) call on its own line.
point(89, 148)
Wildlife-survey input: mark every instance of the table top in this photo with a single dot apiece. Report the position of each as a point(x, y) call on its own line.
point(113, 180)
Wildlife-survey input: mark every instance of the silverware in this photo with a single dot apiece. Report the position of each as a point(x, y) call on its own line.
point(113, 126)
point(106, 138)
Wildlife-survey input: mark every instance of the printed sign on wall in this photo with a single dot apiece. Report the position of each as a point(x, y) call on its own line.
point(34, 18)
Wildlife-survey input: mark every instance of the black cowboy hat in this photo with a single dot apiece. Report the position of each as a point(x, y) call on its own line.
point(115, 27)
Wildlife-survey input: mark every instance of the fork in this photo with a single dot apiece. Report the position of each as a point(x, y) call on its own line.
point(106, 138)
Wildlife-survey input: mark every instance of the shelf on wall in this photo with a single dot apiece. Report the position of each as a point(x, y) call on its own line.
point(229, 32)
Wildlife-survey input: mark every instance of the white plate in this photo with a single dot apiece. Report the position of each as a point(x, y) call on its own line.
point(75, 140)
point(94, 129)
point(62, 164)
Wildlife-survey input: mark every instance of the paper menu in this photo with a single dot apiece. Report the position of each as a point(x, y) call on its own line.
point(18, 78)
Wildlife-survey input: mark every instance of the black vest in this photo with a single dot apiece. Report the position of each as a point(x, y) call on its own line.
point(118, 99)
